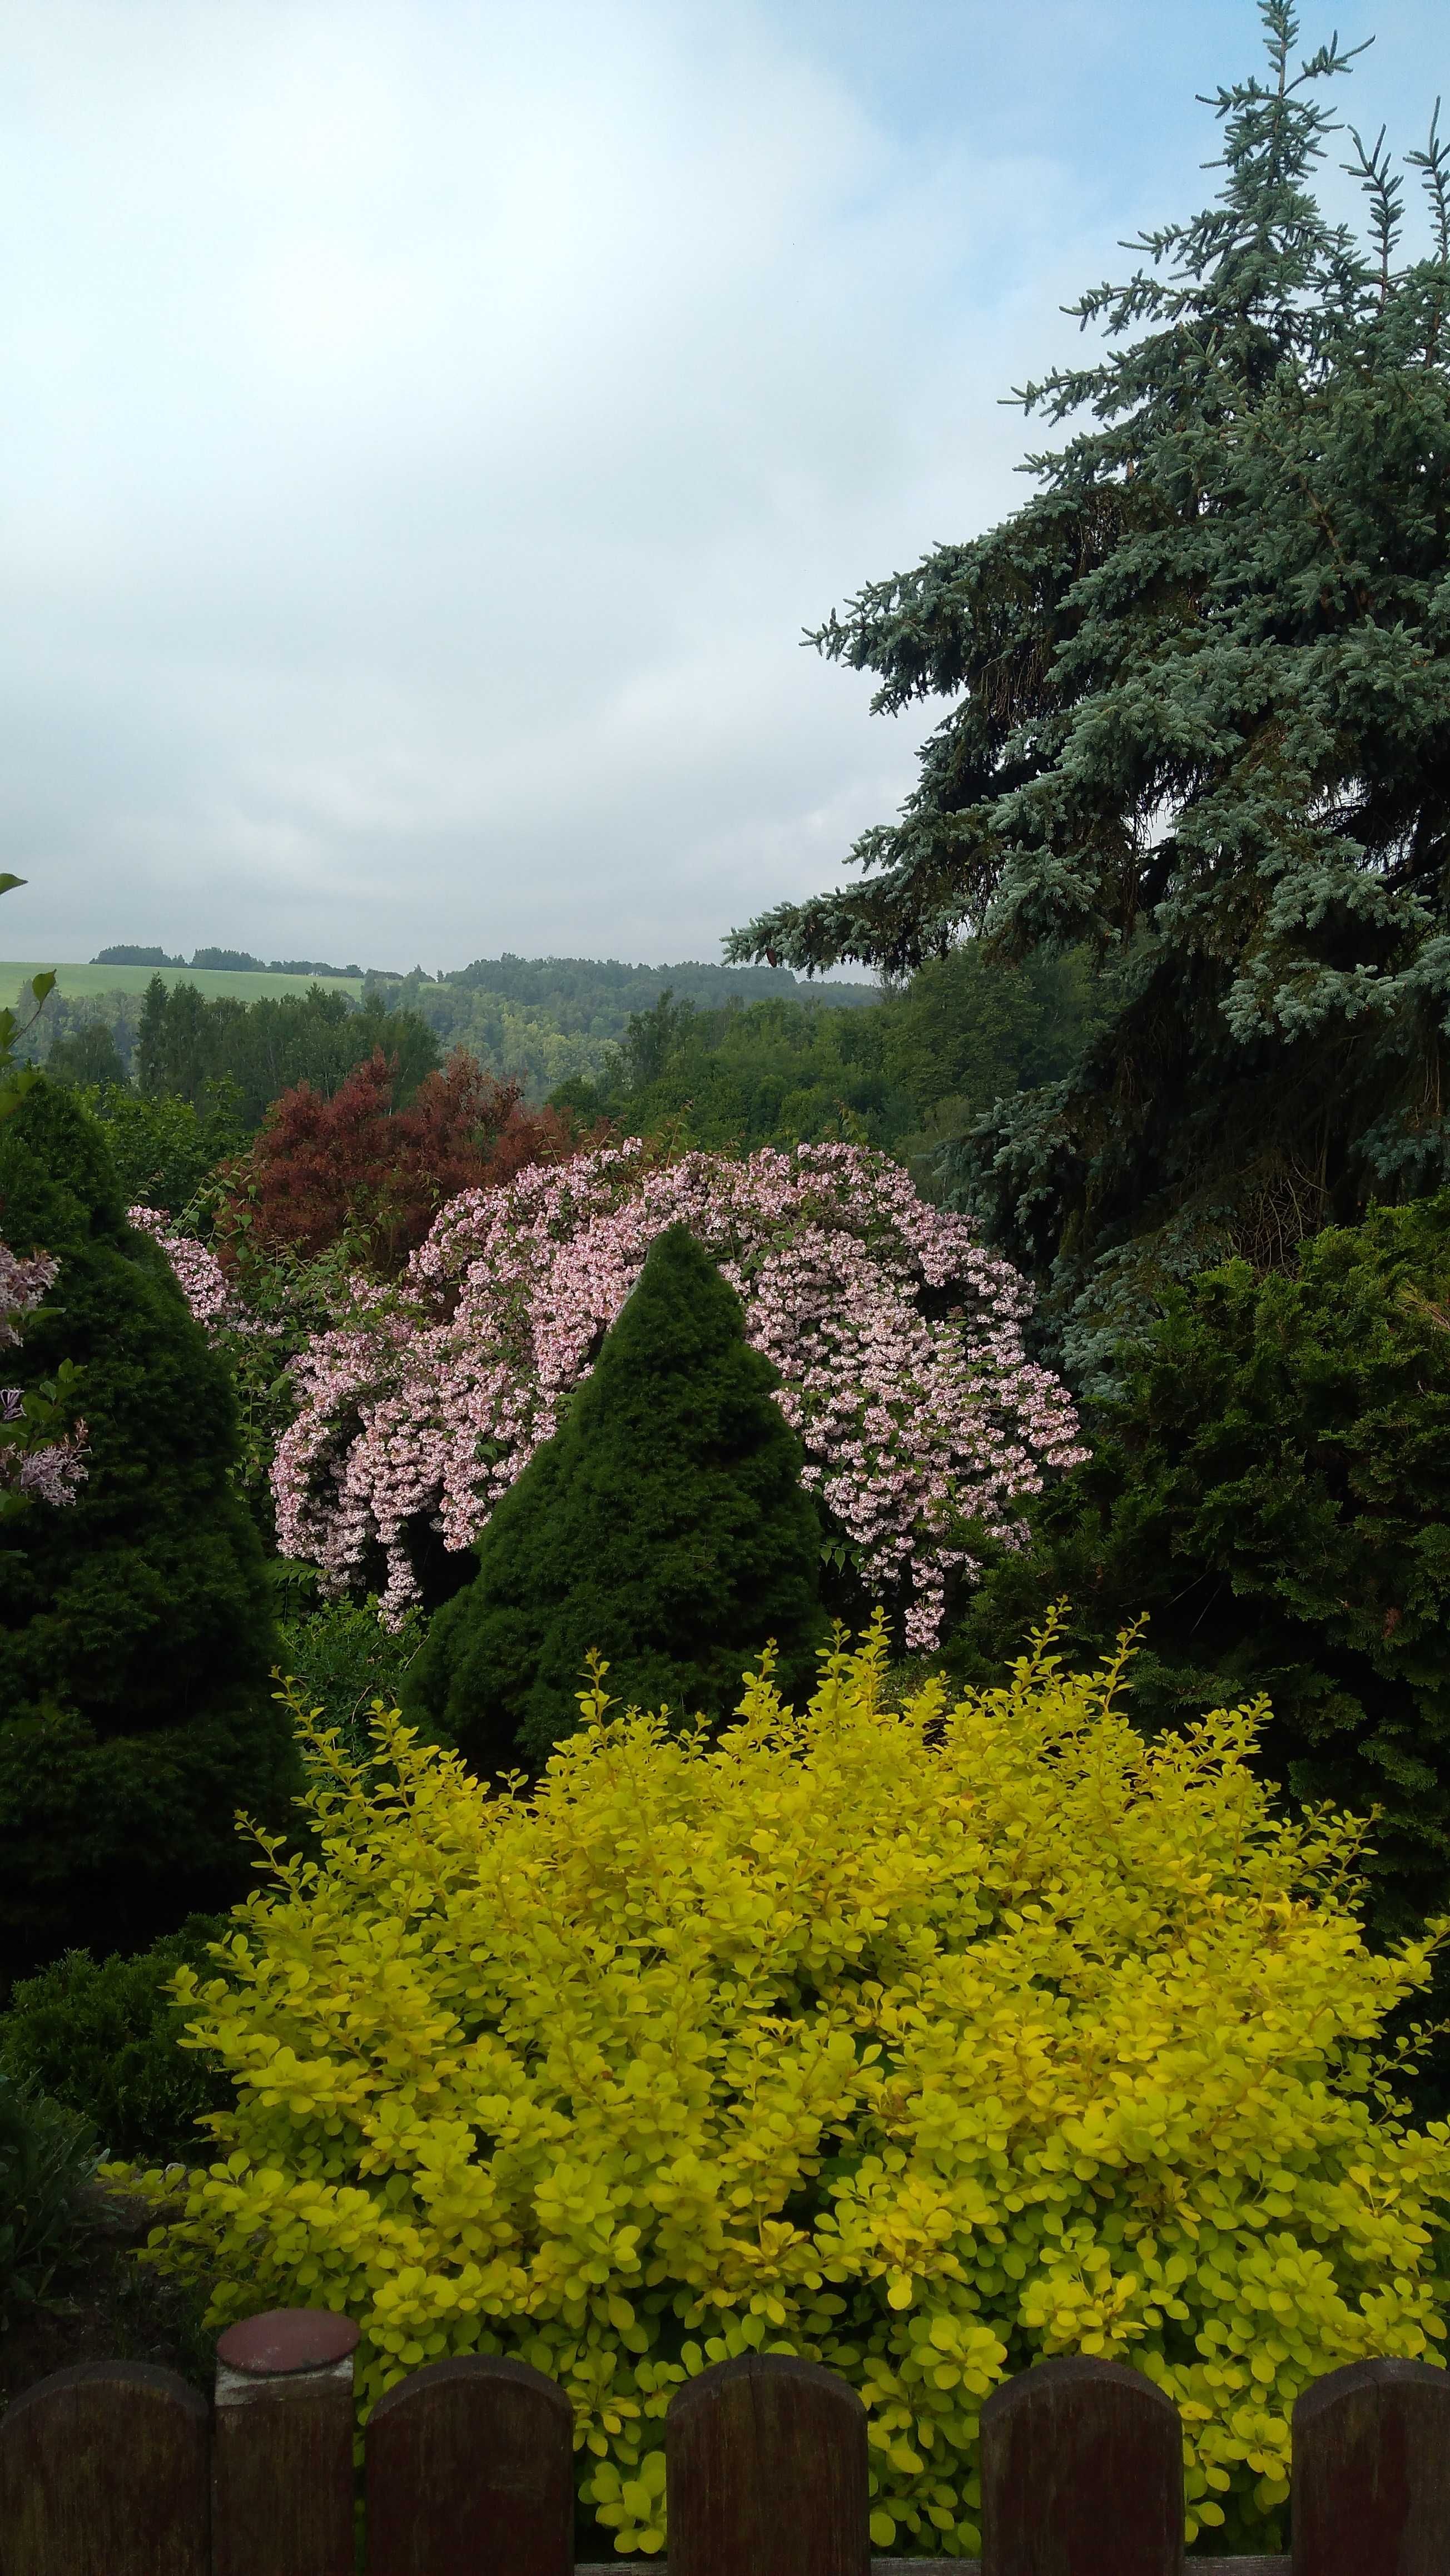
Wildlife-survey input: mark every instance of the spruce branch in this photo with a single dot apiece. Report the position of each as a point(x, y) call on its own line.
point(1384, 188)
point(1434, 163)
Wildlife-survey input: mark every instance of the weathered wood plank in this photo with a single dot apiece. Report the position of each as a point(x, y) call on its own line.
point(1372, 2472)
point(104, 2471)
point(766, 2461)
point(282, 2472)
point(1082, 2474)
point(960, 2567)
point(470, 2472)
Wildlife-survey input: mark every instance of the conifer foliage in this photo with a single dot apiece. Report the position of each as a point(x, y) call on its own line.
point(1202, 724)
point(136, 1639)
point(664, 1526)
point(1270, 1484)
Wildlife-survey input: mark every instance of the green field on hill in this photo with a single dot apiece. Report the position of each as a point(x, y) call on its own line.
point(82, 982)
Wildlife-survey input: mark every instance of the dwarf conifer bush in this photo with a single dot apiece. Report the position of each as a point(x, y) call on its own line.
point(921, 2043)
point(136, 1637)
point(1270, 1482)
point(101, 2037)
point(664, 1527)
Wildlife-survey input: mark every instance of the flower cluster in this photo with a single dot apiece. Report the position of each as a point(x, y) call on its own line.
point(203, 1280)
point(39, 1461)
point(23, 1283)
point(897, 1338)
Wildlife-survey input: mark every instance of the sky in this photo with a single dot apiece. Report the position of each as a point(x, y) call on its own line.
point(428, 426)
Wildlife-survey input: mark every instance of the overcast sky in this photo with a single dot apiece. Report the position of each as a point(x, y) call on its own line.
point(428, 426)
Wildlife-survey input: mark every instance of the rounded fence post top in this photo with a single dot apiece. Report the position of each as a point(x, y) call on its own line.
point(285, 2340)
point(1065, 2370)
point(484, 2370)
point(766, 2366)
point(1354, 2377)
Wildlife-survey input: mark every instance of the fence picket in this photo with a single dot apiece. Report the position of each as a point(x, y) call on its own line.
point(282, 2489)
point(104, 2472)
point(470, 2472)
point(1372, 2472)
point(111, 2469)
point(1082, 2474)
point(766, 2462)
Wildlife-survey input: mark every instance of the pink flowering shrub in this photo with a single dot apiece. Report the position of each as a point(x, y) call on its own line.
point(203, 1280)
point(23, 1283)
point(897, 1337)
point(39, 1461)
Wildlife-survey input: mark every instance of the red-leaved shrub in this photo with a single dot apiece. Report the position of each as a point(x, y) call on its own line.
point(354, 1163)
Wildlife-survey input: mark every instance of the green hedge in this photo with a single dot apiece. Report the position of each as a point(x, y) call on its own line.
point(136, 1630)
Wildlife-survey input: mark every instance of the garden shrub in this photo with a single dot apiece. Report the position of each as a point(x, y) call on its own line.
point(665, 1526)
point(340, 1658)
point(165, 1151)
point(898, 1339)
point(365, 1164)
point(102, 2038)
point(920, 2043)
point(260, 1309)
point(1272, 1486)
point(136, 1634)
point(47, 2157)
point(42, 1432)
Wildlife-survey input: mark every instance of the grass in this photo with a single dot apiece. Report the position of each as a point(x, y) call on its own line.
point(84, 982)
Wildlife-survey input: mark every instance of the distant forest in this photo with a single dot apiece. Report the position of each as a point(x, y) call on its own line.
point(547, 1020)
point(233, 961)
point(710, 1055)
point(537, 1020)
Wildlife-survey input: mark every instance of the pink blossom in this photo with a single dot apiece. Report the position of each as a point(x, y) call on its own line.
point(202, 1278)
point(32, 1468)
point(51, 1473)
point(896, 1336)
point(23, 1283)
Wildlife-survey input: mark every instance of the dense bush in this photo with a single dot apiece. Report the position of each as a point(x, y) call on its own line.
point(164, 1150)
point(1272, 1485)
point(101, 2038)
point(136, 1638)
point(340, 1658)
point(664, 1526)
point(922, 2044)
point(898, 1339)
point(47, 2156)
point(376, 1169)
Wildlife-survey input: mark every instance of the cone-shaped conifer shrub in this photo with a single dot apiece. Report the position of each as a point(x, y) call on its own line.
point(136, 1636)
point(664, 1526)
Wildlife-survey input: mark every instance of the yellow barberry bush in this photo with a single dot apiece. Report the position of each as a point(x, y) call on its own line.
point(922, 2042)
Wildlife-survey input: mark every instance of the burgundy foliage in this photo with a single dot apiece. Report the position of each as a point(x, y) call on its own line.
point(356, 1164)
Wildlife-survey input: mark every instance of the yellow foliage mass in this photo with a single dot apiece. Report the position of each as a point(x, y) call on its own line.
point(921, 2042)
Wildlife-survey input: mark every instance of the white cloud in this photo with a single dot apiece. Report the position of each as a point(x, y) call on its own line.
point(429, 424)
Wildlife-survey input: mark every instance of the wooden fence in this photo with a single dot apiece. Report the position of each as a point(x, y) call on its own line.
point(117, 2469)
